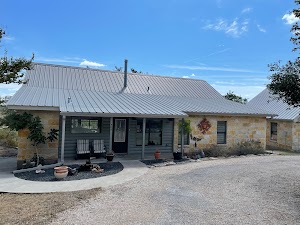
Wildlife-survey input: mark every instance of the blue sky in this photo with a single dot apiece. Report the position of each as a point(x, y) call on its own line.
point(228, 43)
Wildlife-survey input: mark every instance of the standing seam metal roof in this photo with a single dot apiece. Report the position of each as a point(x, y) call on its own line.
point(266, 101)
point(98, 91)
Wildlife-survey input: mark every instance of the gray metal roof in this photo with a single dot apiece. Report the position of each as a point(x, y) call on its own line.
point(265, 101)
point(78, 78)
point(73, 90)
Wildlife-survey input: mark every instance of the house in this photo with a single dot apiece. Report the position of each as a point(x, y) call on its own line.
point(133, 114)
point(283, 130)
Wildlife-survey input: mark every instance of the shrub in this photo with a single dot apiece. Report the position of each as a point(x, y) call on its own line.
point(242, 148)
point(248, 147)
point(8, 138)
point(216, 151)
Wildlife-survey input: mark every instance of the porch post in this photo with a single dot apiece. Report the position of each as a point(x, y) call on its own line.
point(111, 133)
point(63, 135)
point(144, 135)
point(182, 136)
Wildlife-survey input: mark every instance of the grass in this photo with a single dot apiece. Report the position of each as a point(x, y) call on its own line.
point(38, 209)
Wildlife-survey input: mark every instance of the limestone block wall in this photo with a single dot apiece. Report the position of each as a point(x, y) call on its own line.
point(49, 151)
point(284, 135)
point(239, 128)
point(296, 137)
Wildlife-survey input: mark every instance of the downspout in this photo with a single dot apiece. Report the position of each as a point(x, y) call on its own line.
point(63, 137)
point(125, 73)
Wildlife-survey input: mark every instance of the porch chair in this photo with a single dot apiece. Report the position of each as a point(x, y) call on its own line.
point(83, 149)
point(99, 148)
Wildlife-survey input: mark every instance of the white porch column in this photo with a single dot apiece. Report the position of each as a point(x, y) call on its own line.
point(63, 136)
point(111, 133)
point(182, 136)
point(144, 136)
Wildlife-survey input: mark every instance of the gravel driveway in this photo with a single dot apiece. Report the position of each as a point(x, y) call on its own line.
point(248, 190)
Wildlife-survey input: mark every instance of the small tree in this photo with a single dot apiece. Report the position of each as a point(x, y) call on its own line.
point(17, 121)
point(233, 97)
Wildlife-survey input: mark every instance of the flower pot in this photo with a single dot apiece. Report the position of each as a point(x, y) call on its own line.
point(61, 172)
point(110, 157)
point(177, 155)
point(157, 155)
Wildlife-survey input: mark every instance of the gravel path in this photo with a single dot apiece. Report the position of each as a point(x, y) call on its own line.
point(247, 190)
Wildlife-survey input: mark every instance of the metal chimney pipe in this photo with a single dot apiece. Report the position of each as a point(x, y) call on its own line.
point(125, 73)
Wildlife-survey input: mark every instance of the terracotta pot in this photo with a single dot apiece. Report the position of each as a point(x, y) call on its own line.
point(157, 155)
point(61, 172)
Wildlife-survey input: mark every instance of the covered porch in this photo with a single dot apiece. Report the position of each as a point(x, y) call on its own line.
point(128, 137)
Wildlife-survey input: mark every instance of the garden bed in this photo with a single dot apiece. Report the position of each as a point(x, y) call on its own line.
point(109, 169)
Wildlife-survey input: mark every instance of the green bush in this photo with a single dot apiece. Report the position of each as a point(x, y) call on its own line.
point(242, 148)
point(8, 137)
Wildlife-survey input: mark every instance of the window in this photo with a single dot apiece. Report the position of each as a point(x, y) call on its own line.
point(83, 125)
point(221, 132)
point(153, 132)
point(186, 138)
point(274, 131)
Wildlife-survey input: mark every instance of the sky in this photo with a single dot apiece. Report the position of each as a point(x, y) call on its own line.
point(228, 43)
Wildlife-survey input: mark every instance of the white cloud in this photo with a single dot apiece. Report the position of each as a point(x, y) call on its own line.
point(91, 64)
point(57, 60)
point(259, 27)
point(224, 69)
point(185, 76)
point(8, 38)
point(246, 10)
point(234, 28)
point(290, 18)
point(193, 75)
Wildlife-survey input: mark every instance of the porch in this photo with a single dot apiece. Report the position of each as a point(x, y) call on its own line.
point(128, 137)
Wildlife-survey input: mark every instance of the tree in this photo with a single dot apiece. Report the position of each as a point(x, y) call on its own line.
point(233, 97)
point(12, 69)
point(285, 81)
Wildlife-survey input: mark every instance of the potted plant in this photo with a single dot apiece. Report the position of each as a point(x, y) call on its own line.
point(177, 155)
point(110, 156)
point(157, 154)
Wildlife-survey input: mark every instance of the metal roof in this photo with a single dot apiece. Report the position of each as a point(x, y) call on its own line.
point(78, 78)
point(74, 90)
point(266, 101)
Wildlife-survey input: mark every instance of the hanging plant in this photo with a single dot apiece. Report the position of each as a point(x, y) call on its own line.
point(204, 126)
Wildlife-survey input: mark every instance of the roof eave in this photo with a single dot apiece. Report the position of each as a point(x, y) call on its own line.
point(229, 114)
point(38, 108)
point(122, 115)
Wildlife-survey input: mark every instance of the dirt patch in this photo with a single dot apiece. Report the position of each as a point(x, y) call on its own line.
point(39, 208)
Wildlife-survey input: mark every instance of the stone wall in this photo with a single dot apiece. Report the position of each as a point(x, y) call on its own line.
point(296, 137)
point(49, 151)
point(239, 128)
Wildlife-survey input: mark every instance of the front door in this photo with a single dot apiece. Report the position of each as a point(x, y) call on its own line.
point(120, 135)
